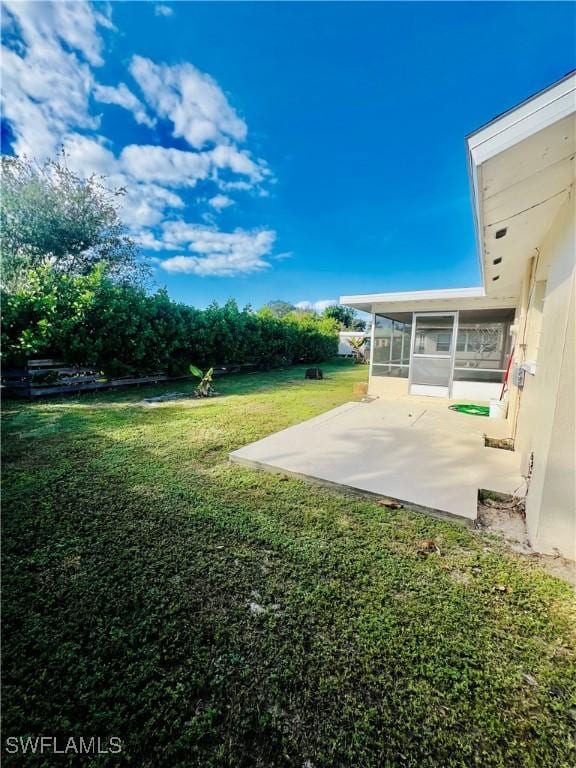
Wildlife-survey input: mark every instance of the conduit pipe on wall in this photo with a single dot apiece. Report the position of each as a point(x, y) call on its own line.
point(525, 298)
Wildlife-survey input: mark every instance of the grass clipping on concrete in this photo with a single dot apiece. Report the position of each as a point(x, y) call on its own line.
point(210, 615)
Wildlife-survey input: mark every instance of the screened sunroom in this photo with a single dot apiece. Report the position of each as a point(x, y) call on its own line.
point(463, 353)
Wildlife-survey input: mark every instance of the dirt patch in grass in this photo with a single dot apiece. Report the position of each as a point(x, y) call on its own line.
point(505, 517)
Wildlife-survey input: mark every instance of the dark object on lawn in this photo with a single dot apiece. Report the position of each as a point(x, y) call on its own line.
point(314, 373)
point(390, 503)
point(428, 547)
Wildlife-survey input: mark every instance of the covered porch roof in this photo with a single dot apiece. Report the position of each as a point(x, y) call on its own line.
point(450, 299)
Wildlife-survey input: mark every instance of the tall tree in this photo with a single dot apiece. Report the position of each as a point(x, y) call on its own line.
point(279, 308)
point(345, 317)
point(52, 216)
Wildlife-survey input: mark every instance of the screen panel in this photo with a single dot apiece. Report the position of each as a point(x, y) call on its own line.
point(430, 370)
point(433, 335)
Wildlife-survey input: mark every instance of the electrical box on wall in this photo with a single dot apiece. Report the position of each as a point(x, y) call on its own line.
point(518, 376)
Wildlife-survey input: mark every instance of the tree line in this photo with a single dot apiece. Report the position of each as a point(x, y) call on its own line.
point(345, 317)
point(74, 288)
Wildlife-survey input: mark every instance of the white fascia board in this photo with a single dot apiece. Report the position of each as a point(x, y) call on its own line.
point(542, 110)
point(545, 108)
point(404, 296)
point(428, 301)
point(475, 173)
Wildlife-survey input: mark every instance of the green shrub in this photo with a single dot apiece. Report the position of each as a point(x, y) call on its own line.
point(121, 329)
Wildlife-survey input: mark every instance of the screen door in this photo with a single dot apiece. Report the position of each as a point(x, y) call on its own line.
point(433, 338)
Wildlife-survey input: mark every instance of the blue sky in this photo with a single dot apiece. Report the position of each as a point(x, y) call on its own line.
point(281, 150)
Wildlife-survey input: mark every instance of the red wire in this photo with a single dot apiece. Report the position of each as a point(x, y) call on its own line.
point(507, 373)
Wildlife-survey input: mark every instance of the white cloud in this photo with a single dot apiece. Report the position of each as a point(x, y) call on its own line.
point(146, 205)
point(219, 253)
point(239, 161)
point(232, 186)
point(190, 99)
point(73, 23)
point(220, 202)
point(84, 153)
point(163, 10)
point(47, 79)
point(165, 165)
point(180, 168)
point(316, 306)
point(48, 87)
point(143, 205)
point(122, 96)
point(147, 173)
point(148, 240)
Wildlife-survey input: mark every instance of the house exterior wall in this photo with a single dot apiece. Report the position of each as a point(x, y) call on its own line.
point(475, 390)
point(386, 386)
point(543, 411)
point(390, 386)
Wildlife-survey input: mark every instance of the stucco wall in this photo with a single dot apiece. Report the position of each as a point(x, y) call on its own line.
point(545, 422)
point(475, 390)
point(387, 386)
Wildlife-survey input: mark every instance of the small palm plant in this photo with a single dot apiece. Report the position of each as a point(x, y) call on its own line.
point(204, 388)
point(357, 343)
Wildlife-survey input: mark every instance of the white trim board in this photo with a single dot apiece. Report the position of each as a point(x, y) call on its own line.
point(535, 114)
point(428, 390)
point(475, 390)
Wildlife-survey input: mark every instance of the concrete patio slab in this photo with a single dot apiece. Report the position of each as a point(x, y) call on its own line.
point(412, 449)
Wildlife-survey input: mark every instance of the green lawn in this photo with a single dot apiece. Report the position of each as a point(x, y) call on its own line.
point(210, 615)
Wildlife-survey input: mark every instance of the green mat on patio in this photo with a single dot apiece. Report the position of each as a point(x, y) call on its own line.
point(472, 410)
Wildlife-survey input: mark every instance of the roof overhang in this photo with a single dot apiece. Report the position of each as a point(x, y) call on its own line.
point(449, 299)
point(521, 171)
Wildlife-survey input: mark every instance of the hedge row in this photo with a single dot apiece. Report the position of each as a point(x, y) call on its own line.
point(122, 329)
